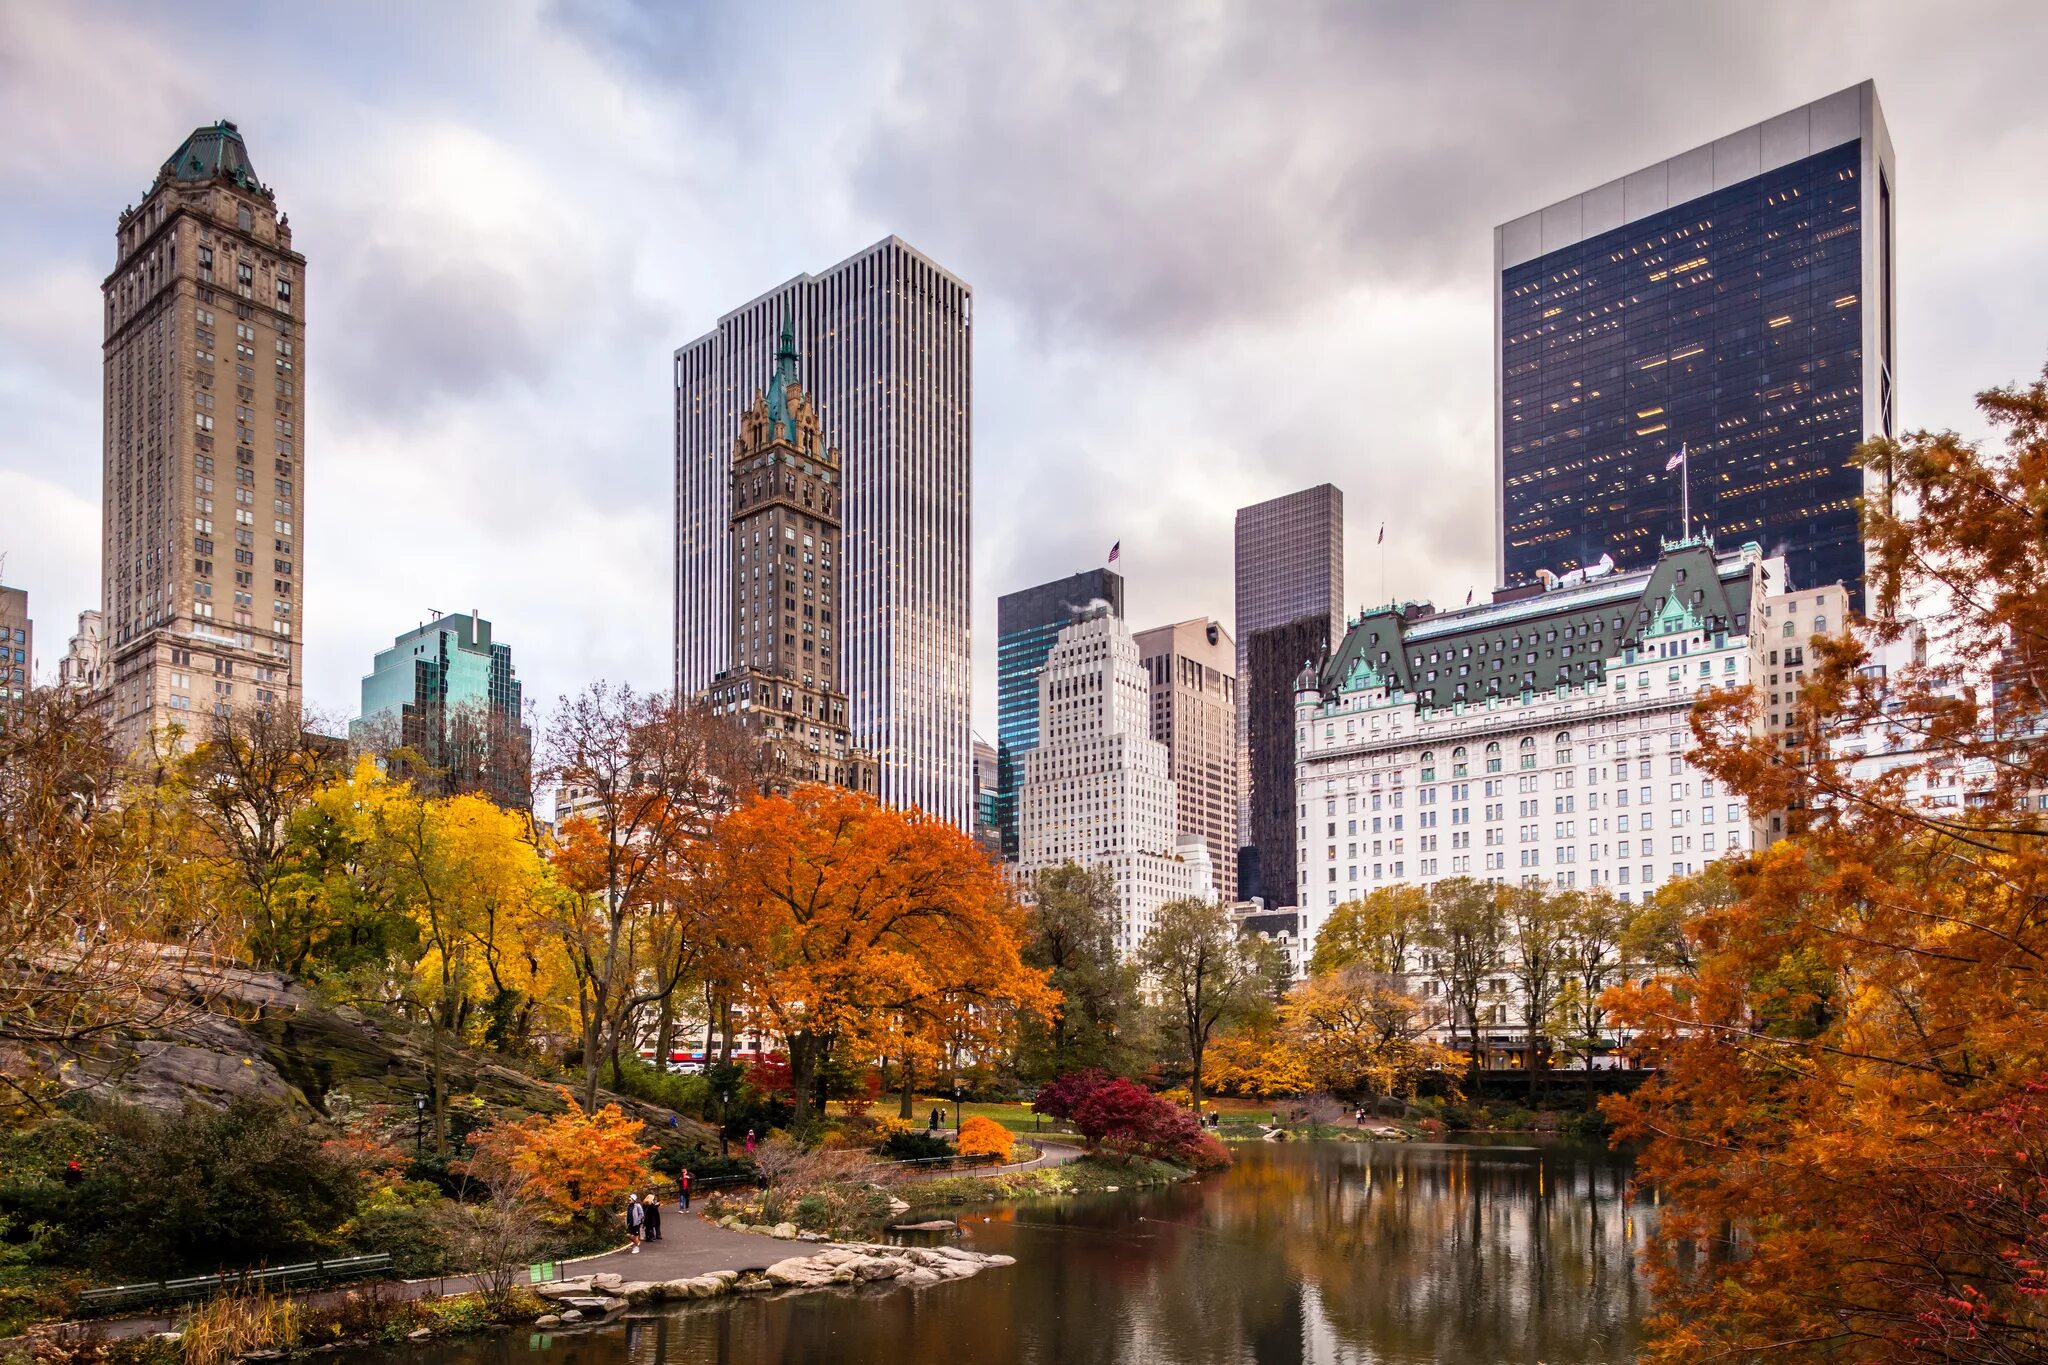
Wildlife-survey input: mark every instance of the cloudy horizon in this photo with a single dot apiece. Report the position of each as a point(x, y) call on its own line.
point(1218, 253)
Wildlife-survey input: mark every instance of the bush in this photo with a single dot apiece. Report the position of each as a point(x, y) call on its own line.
point(916, 1145)
point(1126, 1119)
point(683, 1092)
point(1060, 1097)
point(981, 1136)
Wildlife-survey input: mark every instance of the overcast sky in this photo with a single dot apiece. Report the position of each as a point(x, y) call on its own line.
point(1219, 253)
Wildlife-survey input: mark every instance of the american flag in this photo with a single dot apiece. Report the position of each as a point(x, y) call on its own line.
point(1114, 550)
point(1675, 461)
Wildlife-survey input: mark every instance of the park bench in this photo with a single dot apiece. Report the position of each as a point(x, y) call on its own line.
point(331, 1270)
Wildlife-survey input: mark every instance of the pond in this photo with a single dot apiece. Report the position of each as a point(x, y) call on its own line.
point(1303, 1252)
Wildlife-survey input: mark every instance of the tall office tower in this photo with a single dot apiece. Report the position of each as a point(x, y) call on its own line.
point(1098, 789)
point(1290, 565)
point(1192, 668)
point(17, 654)
point(1734, 302)
point(888, 337)
point(205, 362)
point(83, 666)
point(1028, 623)
point(786, 614)
point(447, 691)
point(1276, 658)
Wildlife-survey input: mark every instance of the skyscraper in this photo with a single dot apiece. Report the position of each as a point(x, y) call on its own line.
point(83, 666)
point(887, 339)
point(1275, 659)
point(785, 613)
point(17, 654)
point(1192, 669)
point(1098, 789)
point(203, 539)
point(1290, 567)
point(1028, 623)
point(1733, 303)
point(447, 691)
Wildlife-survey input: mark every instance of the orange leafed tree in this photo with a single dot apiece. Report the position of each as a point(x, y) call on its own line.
point(849, 918)
point(980, 1136)
point(1853, 1043)
point(576, 1165)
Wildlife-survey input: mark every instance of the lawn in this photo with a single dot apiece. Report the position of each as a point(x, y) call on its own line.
point(1018, 1118)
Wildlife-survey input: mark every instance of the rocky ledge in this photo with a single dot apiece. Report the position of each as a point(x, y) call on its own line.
point(594, 1298)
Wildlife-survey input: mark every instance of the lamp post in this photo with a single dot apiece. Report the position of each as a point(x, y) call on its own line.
point(956, 1110)
point(724, 1107)
point(419, 1129)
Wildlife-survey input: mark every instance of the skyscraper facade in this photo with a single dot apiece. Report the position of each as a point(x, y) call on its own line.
point(1733, 303)
point(1028, 623)
point(203, 545)
point(447, 691)
point(1289, 567)
point(887, 338)
point(17, 654)
point(1192, 669)
point(84, 663)
point(1098, 789)
point(1276, 657)
point(785, 612)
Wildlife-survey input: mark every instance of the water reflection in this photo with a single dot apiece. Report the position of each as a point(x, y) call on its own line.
point(1301, 1253)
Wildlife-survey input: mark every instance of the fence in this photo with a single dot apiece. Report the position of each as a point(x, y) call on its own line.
point(200, 1286)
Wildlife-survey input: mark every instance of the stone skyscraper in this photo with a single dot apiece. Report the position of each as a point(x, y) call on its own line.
point(886, 339)
point(1028, 624)
point(785, 610)
point(203, 538)
point(1192, 666)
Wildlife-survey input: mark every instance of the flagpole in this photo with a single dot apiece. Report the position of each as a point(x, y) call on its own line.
point(1685, 491)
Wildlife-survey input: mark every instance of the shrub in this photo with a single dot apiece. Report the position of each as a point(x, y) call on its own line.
point(1060, 1097)
point(917, 1144)
point(577, 1167)
point(984, 1137)
point(1128, 1120)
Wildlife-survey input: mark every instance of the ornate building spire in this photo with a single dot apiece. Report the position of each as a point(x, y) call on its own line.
point(779, 421)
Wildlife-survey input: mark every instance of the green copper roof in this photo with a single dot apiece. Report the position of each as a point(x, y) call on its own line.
point(214, 150)
point(779, 421)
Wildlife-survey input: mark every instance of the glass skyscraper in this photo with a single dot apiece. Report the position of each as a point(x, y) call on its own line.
point(1028, 624)
point(447, 690)
point(886, 340)
point(1734, 301)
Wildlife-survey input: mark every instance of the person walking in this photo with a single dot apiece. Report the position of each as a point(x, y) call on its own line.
point(651, 1218)
point(683, 1183)
point(750, 1142)
point(636, 1218)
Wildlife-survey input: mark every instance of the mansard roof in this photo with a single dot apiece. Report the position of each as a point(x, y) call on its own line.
point(214, 150)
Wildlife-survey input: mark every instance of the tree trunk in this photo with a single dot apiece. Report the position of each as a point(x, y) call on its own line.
point(907, 1109)
point(1532, 1066)
point(664, 1031)
point(806, 1054)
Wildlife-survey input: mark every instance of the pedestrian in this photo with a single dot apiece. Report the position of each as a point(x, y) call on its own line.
point(73, 1174)
point(683, 1183)
point(750, 1142)
point(636, 1218)
point(651, 1219)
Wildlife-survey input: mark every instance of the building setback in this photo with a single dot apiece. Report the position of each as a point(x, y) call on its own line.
point(203, 540)
point(785, 614)
point(1098, 789)
point(888, 335)
point(83, 666)
point(1192, 667)
point(1028, 623)
point(447, 691)
point(17, 654)
point(1541, 739)
point(1276, 657)
point(1734, 301)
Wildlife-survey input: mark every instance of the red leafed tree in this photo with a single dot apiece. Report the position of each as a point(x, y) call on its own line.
point(1124, 1118)
point(1060, 1097)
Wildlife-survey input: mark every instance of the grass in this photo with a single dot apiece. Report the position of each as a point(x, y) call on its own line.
point(1016, 1117)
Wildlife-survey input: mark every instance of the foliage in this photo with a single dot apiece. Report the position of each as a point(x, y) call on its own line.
point(1060, 1097)
point(1125, 1119)
point(1354, 1032)
point(1846, 1121)
point(918, 1144)
point(576, 1166)
point(1206, 974)
point(1466, 935)
point(1378, 931)
point(1257, 1062)
point(1070, 932)
point(984, 1137)
point(853, 925)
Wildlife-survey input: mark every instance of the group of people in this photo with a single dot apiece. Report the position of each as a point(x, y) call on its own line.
point(643, 1211)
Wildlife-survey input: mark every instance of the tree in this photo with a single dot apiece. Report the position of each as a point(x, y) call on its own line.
point(105, 929)
point(1206, 975)
point(1071, 933)
point(1845, 1121)
point(1124, 1118)
point(848, 918)
point(1592, 962)
point(1258, 1060)
point(1537, 950)
point(1358, 1033)
point(575, 1167)
point(981, 1136)
point(1464, 937)
point(1656, 934)
point(1380, 931)
point(649, 775)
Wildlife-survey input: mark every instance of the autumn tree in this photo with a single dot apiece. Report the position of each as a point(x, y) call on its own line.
point(1464, 938)
point(1380, 931)
point(1592, 962)
point(1358, 1032)
point(646, 776)
point(848, 917)
point(1851, 1046)
point(1259, 1060)
point(1536, 946)
point(1205, 974)
point(576, 1166)
point(1070, 931)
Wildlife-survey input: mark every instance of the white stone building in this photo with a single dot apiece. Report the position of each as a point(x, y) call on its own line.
point(1098, 790)
point(1540, 738)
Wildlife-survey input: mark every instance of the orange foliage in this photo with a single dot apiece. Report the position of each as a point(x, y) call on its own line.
point(981, 1136)
point(1851, 1053)
point(853, 925)
point(576, 1164)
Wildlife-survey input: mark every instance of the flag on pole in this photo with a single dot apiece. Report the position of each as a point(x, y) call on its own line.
point(1676, 460)
point(1114, 550)
point(1468, 597)
point(1383, 534)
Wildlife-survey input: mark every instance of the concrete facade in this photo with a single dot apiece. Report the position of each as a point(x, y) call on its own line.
point(1192, 668)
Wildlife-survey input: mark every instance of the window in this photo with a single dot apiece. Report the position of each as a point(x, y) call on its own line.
point(1527, 751)
point(1493, 756)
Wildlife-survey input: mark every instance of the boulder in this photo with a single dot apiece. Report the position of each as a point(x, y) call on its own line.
point(607, 1281)
point(594, 1305)
point(563, 1289)
point(812, 1237)
point(783, 1231)
point(419, 1334)
point(638, 1292)
point(571, 1315)
point(898, 1206)
point(917, 1276)
point(548, 1320)
point(800, 1272)
point(871, 1268)
point(711, 1286)
point(996, 1258)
